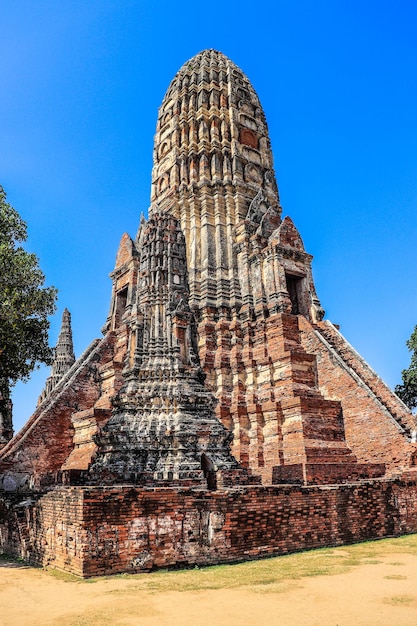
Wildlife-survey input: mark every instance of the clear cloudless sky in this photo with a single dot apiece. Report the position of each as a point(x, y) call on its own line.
point(81, 82)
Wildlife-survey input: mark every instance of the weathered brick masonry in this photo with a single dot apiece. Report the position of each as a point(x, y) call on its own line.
point(95, 531)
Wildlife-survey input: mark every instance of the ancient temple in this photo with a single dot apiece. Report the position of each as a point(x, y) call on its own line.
point(215, 342)
point(217, 370)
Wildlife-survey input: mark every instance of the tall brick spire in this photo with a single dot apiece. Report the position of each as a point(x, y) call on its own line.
point(64, 355)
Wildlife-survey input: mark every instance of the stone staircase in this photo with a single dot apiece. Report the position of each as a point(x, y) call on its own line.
point(364, 374)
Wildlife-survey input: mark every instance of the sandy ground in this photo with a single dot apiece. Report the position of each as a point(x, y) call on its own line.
point(382, 592)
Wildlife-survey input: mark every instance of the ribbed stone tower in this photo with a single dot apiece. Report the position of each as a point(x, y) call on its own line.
point(64, 356)
point(206, 303)
point(213, 170)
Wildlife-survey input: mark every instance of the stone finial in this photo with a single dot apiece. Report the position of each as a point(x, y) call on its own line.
point(64, 356)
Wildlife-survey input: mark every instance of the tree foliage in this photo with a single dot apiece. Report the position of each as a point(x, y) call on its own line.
point(408, 390)
point(25, 304)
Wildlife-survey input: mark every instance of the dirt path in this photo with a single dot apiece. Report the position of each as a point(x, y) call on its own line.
point(380, 592)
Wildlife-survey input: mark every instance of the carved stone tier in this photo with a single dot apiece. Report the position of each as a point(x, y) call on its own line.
point(163, 426)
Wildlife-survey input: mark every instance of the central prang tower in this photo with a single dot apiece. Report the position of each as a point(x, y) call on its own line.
point(213, 171)
point(247, 269)
point(243, 283)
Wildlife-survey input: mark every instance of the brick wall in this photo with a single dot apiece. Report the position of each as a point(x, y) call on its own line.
point(96, 530)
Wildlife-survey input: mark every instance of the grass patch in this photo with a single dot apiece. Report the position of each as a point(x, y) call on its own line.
point(264, 574)
point(7, 558)
point(66, 577)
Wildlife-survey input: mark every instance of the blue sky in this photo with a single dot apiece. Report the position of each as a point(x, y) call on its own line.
point(81, 82)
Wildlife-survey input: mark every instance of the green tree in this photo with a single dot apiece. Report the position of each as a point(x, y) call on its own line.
point(408, 390)
point(25, 305)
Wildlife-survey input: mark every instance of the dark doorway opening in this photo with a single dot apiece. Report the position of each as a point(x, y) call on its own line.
point(121, 301)
point(209, 472)
point(294, 291)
